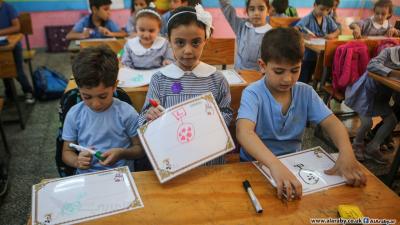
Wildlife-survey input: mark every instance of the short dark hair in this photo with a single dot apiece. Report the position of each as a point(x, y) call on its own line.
point(184, 19)
point(282, 45)
point(99, 3)
point(133, 4)
point(383, 4)
point(141, 14)
point(248, 4)
point(280, 6)
point(326, 3)
point(193, 2)
point(95, 65)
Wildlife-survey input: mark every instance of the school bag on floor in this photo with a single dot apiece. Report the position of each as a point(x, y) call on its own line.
point(48, 84)
point(350, 62)
point(69, 99)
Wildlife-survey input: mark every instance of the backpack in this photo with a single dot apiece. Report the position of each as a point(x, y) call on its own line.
point(350, 62)
point(386, 43)
point(48, 84)
point(69, 99)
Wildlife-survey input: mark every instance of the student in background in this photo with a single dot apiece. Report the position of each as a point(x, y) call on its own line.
point(147, 50)
point(9, 24)
point(96, 25)
point(378, 24)
point(333, 13)
point(249, 32)
point(278, 8)
point(274, 112)
point(136, 5)
point(291, 12)
point(100, 121)
point(370, 98)
point(316, 24)
point(188, 31)
point(173, 4)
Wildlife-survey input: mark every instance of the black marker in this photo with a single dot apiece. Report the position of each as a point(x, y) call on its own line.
point(252, 196)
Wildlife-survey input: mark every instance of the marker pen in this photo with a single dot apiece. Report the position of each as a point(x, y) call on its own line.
point(155, 104)
point(81, 148)
point(252, 196)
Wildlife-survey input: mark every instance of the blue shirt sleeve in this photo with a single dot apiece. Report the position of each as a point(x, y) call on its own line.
point(131, 120)
point(303, 22)
point(70, 130)
point(112, 26)
point(317, 111)
point(13, 14)
point(332, 26)
point(249, 105)
point(80, 25)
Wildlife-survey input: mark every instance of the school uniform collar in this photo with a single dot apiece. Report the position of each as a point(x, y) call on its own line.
point(91, 24)
point(138, 48)
point(202, 70)
point(395, 56)
point(378, 26)
point(260, 30)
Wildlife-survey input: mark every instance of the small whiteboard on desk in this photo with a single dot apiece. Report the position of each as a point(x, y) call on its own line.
point(308, 166)
point(84, 197)
point(233, 77)
point(128, 77)
point(187, 135)
point(316, 41)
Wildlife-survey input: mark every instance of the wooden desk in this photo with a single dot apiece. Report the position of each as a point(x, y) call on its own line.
point(215, 195)
point(138, 94)
point(389, 178)
point(115, 45)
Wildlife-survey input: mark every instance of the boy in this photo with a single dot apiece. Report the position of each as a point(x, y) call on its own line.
point(321, 25)
point(9, 24)
point(97, 24)
point(173, 4)
point(278, 8)
point(274, 111)
point(100, 122)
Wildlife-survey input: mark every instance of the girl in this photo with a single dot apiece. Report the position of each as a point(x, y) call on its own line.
point(378, 24)
point(369, 99)
point(188, 31)
point(249, 33)
point(147, 50)
point(136, 5)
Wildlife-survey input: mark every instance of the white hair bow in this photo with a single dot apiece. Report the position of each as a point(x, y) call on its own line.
point(204, 17)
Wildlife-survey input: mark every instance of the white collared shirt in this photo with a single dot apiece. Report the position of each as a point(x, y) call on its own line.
point(175, 72)
point(139, 49)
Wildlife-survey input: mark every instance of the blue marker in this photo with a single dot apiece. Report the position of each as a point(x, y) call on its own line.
point(91, 151)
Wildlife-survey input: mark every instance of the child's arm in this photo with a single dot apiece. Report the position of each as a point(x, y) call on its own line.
point(126, 57)
point(230, 14)
point(377, 64)
point(333, 35)
point(285, 180)
point(148, 112)
point(346, 165)
point(69, 157)
point(106, 32)
point(115, 154)
point(73, 35)
point(356, 30)
point(14, 28)
point(224, 102)
point(393, 32)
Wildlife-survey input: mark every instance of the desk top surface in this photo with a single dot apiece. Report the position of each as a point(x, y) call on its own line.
point(215, 195)
point(390, 82)
point(13, 39)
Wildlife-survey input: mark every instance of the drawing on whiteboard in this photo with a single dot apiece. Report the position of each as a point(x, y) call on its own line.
point(185, 133)
point(308, 176)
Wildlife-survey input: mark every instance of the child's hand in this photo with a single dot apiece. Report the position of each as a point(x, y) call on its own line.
point(84, 160)
point(86, 33)
point(166, 62)
point(357, 33)
point(153, 113)
point(330, 36)
point(112, 156)
point(350, 169)
point(286, 182)
point(392, 32)
point(105, 31)
point(308, 36)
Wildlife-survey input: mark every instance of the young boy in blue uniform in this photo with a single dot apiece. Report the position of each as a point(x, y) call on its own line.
point(100, 121)
point(322, 26)
point(9, 24)
point(274, 111)
point(96, 25)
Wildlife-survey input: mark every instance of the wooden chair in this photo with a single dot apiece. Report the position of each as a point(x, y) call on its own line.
point(26, 29)
point(115, 45)
point(283, 21)
point(219, 51)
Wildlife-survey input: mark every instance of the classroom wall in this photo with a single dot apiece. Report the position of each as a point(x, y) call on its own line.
point(59, 12)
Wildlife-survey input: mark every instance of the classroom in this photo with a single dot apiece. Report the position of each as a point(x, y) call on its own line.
point(199, 112)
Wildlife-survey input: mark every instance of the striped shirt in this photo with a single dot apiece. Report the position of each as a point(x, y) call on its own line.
point(174, 90)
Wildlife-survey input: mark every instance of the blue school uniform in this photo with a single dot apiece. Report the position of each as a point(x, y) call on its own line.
point(86, 22)
point(131, 24)
point(137, 57)
point(112, 128)
point(248, 38)
point(371, 98)
point(282, 134)
point(164, 29)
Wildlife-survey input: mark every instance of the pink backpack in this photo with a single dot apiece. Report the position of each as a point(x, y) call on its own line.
point(350, 62)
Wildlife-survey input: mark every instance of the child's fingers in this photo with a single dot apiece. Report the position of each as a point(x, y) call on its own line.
point(298, 189)
point(279, 188)
point(288, 189)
